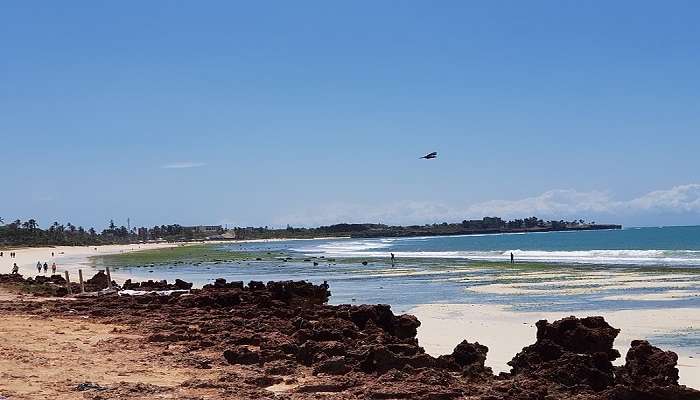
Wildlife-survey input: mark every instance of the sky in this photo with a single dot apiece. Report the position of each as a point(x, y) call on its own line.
point(316, 112)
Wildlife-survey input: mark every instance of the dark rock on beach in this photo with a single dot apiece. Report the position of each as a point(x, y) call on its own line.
point(151, 285)
point(285, 334)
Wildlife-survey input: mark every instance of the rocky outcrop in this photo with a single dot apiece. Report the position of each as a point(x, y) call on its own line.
point(151, 285)
point(467, 358)
point(265, 334)
point(11, 278)
point(648, 373)
point(648, 364)
point(99, 281)
point(220, 283)
point(570, 352)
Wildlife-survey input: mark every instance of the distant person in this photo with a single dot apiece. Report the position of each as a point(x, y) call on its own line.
point(15, 269)
point(53, 269)
point(38, 266)
point(1, 254)
point(52, 254)
point(512, 258)
point(46, 268)
point(393, 257)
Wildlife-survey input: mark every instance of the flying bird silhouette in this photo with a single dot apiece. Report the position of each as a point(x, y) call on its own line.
point(430, 156)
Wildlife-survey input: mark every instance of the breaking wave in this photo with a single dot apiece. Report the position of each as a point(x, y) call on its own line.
point(371, 248)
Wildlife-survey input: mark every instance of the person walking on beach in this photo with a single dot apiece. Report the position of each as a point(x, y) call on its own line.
point(46, 268)
point(512, 258)
point(53, 269)
point(38, 266)
point(15, 269)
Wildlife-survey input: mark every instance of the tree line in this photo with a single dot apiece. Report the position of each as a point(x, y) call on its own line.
point(28, 233)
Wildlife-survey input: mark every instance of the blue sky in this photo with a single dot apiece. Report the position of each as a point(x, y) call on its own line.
point(310, 112)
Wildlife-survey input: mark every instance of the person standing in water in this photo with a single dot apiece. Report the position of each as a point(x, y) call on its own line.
point(512, 258)
point(393, 257)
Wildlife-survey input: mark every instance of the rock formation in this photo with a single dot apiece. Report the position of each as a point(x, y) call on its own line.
point(285, 333)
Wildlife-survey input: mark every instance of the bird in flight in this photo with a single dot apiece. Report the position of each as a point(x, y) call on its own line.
point(430, 156)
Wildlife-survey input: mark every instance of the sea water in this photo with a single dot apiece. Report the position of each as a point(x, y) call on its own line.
point(611, 269)
point(585, 272)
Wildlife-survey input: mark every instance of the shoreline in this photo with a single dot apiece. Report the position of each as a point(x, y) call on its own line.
point(73, 258)
point(444, 325)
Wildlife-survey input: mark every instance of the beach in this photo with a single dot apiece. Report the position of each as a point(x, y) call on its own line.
point(506, 332)
point(68, 258)
point(281, 340)
point(494, 304)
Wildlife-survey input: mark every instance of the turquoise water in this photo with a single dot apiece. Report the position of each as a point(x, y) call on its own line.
point(669, 246)
point(582, 272)
point(617, 269)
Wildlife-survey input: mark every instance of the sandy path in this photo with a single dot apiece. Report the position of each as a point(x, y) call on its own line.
point(506, 332)
point(44, 358)
point(48, 358)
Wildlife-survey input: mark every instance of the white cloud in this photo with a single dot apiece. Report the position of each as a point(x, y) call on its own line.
point(684, 198)
point(562, 203)
point(183, 164)
point(550, 203)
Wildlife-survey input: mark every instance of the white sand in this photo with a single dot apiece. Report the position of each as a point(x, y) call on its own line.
point(73, 258)
point(67, 258)
point(506, 332)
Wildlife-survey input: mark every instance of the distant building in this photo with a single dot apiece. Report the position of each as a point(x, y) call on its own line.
point(492, 222)
point(206, 228)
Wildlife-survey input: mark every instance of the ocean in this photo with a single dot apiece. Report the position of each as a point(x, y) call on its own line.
point(644, 279)
point(612, 269)
point(663, 246)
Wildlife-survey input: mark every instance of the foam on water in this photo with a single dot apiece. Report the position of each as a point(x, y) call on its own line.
point(467, 248)
point(603, 257)
point(345, 247)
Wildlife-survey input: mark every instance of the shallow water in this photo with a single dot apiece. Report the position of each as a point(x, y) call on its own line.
point(597, 271)
point(632, 268)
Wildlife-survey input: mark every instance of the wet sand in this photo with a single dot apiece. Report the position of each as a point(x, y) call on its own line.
point(506, 332)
